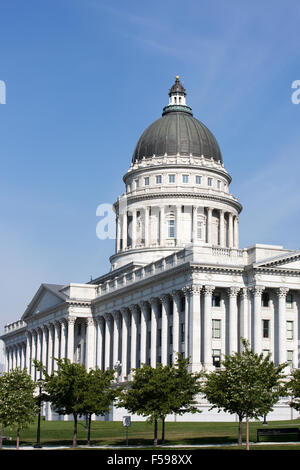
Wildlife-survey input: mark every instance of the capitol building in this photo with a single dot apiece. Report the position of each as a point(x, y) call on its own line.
point(179, 281)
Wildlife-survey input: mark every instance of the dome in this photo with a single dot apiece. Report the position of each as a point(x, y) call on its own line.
point(177, 132)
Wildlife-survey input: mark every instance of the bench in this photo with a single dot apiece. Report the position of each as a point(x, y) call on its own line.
point(271, 432)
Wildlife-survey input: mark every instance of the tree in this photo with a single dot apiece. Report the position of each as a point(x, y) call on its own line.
point(293, 387)
point(17, 401)
point(157, 392)
point(248, 385)
point(99, 394)
point(66, 389)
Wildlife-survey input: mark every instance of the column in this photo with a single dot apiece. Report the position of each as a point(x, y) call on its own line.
point(161, 226)
point(194, 224)
point(146, 227)
point(100, 339)
point(70, 345)
point(233, 319)
point(257, 321)
point(28, 351)
point(176, 321)
point(125, 328)
point(133, 228)
point(154, 321)
point(165, 302)
point(194, 294)
point(236, 232)
point(117, 332)
point(90, 344)
point(34, 340)
point(64, 334)
point(44, 346)
point(230, 230)
point(56, 343)
point(209, 225)
point(108, 340)
point(178, 225)
point(134, 325)
point(118, 233)
point(244, 317)
point(39, 345)
point(144, 306)
point(222, 228)
point(124, 230)
point(185, 292)
point(281, 345)
point(50, 348)
point(208, 290)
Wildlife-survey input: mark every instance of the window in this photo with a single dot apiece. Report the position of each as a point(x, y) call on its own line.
point(265, 299)
point(209, 181)
point(146, 181)
point(199, 230)
point(289, 300)
point(266, 328)
point(171, 178)
point(290, 358)
point(171, 228)
point(216, 329)
point(182, 332)
point(216, 356)
point(158, 179)
point(219, 184)
point(198, 179)
point(137, 183)
point(185, 178)
point(216, 299)
point(289, 330)
point(129, 188)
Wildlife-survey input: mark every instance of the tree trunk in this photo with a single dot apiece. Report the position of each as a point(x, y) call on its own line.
point(89, 430)
point(18, 439)
point(240, 437)
point(1, 436)
point(163, 431)
point(247, 433)
point(155, 432)
point(75, 431)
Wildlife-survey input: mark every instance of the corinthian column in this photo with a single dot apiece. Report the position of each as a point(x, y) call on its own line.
point(195, 327)
point(134, 325)
point(100, 342)
point(90, 344)
point(154, 321)
point(222, 228)
point(117, 331)
point(125, 328)
point(281, 295)
point(208, 290)
point(70, 346)
point(209, 225)
point(165, 301)
point(257, 292)
point(233, 319)
point(176, 320)
point(108, 339)
point(144, 314)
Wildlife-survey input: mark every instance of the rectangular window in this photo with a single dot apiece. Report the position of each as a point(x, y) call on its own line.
point(216, 300)
point(266, 328)
point(146, 181)
point(216, 329)
point(158, 179)
point(216, 356)
point(137, 183)
point(290, 358)
point(182, 332)
point(219, 184)
point(289, 330)
point(129, 188)
point(185, 178)
point(198, 179)
point(171, 178)
point(171, 228)
point(209, 181)
point(289, 300)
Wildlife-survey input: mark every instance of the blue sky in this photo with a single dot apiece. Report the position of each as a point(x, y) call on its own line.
point(83, 80)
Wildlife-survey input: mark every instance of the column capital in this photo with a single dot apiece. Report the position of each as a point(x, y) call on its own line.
point(108, 318)
point(154, 301)
point(71, 320)
point(257, 290)
point(144, 305)
point(134, 308)
point(177, 294)
point(208, 289)
point(233, 291)
point(282, 291)
point(165, 298)
point(90, 321)
point(125, 312)
point(244, 292)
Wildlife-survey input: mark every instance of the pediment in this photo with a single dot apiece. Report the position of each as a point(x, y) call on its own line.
point(290, 261)
point(47, 296)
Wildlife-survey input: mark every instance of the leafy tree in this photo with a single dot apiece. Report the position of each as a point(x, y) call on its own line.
point(157, 392)
point(248, 385)
point(294, 389)
point(66, 389)
point(99, 394)
point(17, 401)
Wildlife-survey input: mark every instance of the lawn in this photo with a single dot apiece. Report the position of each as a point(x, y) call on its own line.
point(59, 433)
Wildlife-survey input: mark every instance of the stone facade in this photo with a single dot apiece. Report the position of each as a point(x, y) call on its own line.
point(179, 283)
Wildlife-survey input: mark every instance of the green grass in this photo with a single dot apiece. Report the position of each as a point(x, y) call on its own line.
point(60, 433)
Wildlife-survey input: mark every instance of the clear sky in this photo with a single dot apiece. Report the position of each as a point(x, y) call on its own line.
point(84, 78)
